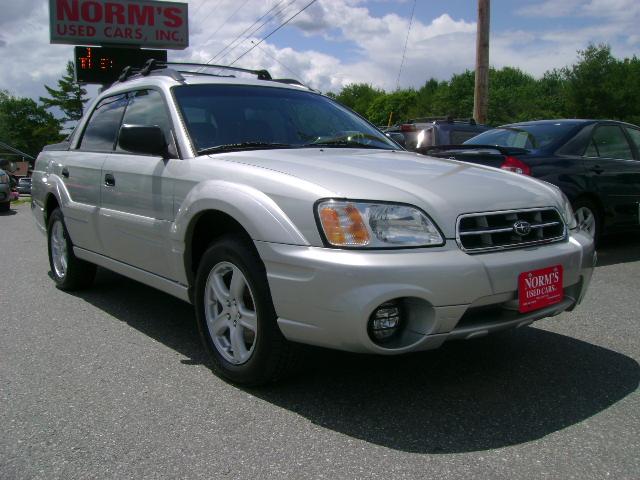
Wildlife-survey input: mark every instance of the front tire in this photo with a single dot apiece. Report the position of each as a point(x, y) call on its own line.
point(68, 271)
point(235, 315)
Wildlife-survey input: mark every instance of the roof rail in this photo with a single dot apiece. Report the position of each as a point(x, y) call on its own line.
point(153, 65)
point(157, 67)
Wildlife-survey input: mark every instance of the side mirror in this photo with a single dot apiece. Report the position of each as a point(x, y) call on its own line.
point(145, 139)
point(397, 137)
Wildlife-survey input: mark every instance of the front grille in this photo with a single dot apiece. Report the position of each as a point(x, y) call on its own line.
point(479, 232)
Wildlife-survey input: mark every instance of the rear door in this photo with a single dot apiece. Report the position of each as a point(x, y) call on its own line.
point(612, 168)
point(137, 193)
point(81, 168)
point(634, 136)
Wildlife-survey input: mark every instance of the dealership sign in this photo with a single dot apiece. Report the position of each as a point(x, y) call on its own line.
point(141, 23)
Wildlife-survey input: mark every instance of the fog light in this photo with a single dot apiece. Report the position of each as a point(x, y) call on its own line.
point(385, 321)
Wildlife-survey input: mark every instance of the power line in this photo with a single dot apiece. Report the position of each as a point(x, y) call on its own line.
point(226, 49)
point(282, 64)
point(199, 7)
point(215, 6)
point(225, 22)
point(406, 41)
point(276, 29)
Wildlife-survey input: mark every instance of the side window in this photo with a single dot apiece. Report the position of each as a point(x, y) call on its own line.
point(634, 133)
point(102, 128)
point(146, 107)
point(611, 142)
point(591, 150)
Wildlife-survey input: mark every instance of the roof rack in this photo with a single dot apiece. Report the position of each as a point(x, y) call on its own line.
point(157, 67)
point(152, 65)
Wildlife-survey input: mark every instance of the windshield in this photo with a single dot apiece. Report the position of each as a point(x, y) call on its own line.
point(531, 137)
point(227, 117)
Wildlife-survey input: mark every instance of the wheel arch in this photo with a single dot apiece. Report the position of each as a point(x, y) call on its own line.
point(214, 208)
point(206, 227)
point(594, 198)
point(50, 204)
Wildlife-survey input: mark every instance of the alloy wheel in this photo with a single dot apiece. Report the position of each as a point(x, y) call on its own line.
point(59, 253)
point(586, 220)
point(230, 313)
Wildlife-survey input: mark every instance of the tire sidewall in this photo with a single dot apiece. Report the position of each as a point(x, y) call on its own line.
point(584, 203)
point(56, 216)
point(237, 252)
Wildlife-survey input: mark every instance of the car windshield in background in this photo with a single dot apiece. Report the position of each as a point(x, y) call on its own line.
point(459, 136)
point(531, 137)
point(239, 117)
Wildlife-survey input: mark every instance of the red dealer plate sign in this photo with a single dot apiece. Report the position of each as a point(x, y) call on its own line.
point(540, 288)
point(141, 23)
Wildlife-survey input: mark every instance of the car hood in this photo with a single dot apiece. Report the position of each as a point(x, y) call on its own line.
point(442, 188)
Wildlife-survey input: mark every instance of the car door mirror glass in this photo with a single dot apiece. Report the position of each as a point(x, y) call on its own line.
point(143, 139)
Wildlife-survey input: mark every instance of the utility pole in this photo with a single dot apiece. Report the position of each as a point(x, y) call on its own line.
point(481, 92)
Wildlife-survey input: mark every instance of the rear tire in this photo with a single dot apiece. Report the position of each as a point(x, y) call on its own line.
point(68, 271)
point(588, 217)
point(5, 206)
point(236, 317)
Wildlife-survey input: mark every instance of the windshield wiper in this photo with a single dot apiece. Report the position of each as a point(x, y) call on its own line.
point(342, 144)
point(236, 147)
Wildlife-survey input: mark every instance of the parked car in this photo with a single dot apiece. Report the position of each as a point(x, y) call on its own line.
point(24, 185)
point(287, 219)
point(5, 191)
point(596, 163)
point(429, 131)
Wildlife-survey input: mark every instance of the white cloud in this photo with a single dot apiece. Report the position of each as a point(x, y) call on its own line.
point(350, 43)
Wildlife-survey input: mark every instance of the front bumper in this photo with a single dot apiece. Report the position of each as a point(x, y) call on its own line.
point(325, 296)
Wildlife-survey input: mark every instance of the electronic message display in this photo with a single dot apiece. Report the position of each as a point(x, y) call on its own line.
point(104, 65)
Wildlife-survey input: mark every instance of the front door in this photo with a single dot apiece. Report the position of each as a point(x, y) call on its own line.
point(137, 194)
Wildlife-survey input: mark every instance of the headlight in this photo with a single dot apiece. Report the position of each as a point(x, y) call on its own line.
point(568, 214)
point(375, 225)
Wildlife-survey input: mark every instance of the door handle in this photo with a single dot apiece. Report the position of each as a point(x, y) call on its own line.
point(109, 180)
point(597, 169)
point(65, 172)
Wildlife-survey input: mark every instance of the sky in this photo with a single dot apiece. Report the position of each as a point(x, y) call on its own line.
point(337, 42)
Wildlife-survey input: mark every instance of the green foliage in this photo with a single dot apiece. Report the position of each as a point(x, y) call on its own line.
point(601, 86)
point(25, 125)
point(597, 86)
point(69, 97)
point(358, 96)
point(399, 102)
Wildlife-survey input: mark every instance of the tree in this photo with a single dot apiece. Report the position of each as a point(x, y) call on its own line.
point(399, 103)
point(601, 86)
point(358, 96)
point(598, 85)
point(25, 125)
point(69, 97)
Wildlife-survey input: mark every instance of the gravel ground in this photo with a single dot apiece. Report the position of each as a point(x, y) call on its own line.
point(113, 383)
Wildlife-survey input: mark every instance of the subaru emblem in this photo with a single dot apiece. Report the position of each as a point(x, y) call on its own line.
point(522, 228)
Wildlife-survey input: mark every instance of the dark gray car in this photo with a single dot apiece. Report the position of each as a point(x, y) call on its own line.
point(5, 191)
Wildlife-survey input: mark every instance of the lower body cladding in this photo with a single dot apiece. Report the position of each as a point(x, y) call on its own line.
point(330, 297)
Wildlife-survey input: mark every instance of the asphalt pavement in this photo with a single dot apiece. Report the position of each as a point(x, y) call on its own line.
point(112, 383)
